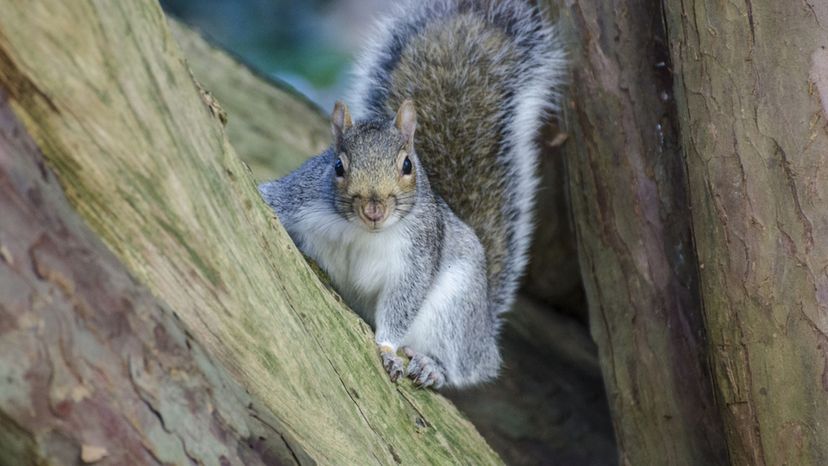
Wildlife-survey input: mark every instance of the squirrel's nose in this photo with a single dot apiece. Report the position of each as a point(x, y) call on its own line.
point(373, 211)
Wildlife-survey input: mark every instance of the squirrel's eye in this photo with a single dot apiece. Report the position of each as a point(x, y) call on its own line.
point(406, 168)
point(340, 168)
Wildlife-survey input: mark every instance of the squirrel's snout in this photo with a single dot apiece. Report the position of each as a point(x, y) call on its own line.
point(373, 211)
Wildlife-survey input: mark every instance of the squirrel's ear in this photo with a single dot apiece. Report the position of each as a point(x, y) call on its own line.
point(406, 120)
point(340, 120)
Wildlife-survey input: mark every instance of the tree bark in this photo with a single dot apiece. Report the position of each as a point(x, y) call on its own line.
point(752, 87)
point(628, 189)
point(93, 366)
point(104, 92)
point(139, 150)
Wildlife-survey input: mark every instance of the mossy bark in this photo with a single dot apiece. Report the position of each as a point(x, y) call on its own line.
point(752, 88)
point(141, 155)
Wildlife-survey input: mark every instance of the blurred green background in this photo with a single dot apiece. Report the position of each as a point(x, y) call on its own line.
point(308, 43)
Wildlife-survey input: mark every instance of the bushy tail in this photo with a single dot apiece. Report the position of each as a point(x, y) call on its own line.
point(484, 74)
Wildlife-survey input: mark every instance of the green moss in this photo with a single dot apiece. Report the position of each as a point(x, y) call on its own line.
point(196, 258)
point(17, 447)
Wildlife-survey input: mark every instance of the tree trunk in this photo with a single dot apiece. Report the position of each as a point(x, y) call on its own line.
point(105, 94)
point(699, 220)
point(752, 87)
point(629, 199)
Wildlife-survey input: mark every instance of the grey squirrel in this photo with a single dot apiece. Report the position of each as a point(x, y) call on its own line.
point(421, 210)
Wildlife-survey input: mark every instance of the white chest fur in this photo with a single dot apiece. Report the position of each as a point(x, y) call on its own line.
point(360, 263)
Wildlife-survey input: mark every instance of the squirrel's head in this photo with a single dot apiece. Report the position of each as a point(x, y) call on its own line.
point(375, 167)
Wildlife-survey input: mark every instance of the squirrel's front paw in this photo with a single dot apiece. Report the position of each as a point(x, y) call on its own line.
point(423, 370)
point(392, 363)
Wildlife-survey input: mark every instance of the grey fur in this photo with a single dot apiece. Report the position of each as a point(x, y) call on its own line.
point(484, 73)
point(424, 280)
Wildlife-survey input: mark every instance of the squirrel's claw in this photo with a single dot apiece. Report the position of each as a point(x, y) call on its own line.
point(424, 371)
point(393, 364)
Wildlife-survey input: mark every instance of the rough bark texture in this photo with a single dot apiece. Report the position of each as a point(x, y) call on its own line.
point(753, 104)
point(627, 185)
point(104, 92)
point(92, 365)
